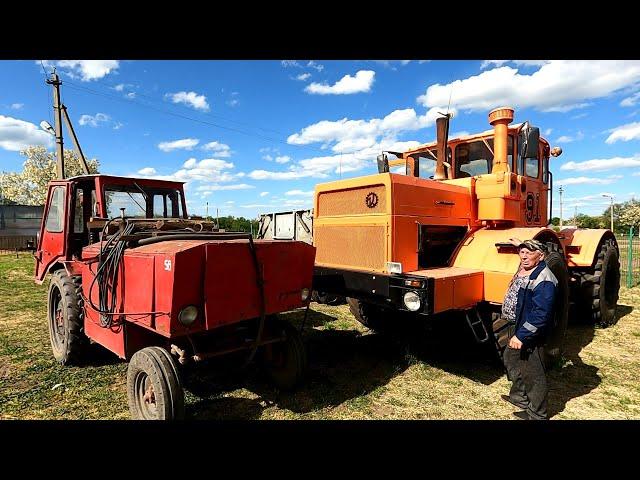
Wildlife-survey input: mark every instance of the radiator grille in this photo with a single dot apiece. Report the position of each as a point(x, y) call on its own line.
point(356, 201)
point(356, 246)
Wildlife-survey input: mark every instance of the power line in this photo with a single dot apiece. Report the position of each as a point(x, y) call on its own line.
point(78, 87)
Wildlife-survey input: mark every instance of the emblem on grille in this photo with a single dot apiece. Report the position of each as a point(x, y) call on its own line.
point(371, 200)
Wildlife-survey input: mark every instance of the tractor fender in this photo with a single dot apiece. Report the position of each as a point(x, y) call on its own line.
point(583, 244)
point(56, 265)
point(478, 251)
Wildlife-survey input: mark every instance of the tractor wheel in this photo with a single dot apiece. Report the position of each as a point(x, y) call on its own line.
point(154, 388)
point(326, 298)
point(369, 315)
point(555, 337)
point(65, 318)
point(600, 287)
point(286, 362)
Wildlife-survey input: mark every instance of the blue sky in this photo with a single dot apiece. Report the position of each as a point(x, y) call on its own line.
point(256, 136)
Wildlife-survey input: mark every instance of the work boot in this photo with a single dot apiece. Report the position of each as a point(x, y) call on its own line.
point(507, 398)
point(522, 415)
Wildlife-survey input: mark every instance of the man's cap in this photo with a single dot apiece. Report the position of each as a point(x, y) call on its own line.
point(530, 244)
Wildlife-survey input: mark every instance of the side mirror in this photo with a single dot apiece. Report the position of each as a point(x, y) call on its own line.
point(383, 163)
point(530, 140)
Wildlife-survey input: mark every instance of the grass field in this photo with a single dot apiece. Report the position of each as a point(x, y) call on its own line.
point(353, 373)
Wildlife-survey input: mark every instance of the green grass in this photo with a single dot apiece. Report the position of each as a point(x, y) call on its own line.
point(353, 373)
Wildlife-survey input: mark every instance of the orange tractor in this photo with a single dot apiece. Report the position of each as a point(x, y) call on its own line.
point(436, 238)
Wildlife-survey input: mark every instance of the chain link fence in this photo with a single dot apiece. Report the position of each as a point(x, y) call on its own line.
point(629, 260)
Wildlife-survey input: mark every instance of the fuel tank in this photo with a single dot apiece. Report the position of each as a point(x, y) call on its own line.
point(218, 277)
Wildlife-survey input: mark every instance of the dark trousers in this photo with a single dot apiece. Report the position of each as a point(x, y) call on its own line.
point(525, 368)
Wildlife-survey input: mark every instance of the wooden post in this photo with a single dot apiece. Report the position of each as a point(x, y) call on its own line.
point(630, 260)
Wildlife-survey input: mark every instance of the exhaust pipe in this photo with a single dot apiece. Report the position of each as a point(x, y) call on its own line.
point(442, 134)
point(500, 118)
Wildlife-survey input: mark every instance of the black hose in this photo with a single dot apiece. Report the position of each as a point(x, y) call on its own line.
point(192, 236)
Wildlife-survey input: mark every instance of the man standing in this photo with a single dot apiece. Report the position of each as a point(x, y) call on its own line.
point(528, 307)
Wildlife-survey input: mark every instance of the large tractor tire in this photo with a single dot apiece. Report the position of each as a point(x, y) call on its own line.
point(369, 315)
point(154, 387)
point(65, 318)
point(555, 336)
point(286, 362)
point(600, 287)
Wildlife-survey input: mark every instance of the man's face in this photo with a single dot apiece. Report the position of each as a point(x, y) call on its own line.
point(530, 258)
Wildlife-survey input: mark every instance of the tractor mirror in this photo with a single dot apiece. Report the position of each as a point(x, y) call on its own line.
point(383, 163)
point(530, 138)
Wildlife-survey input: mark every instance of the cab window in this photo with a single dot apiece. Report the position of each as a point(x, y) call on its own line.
point(426, 164)
point(55, 215)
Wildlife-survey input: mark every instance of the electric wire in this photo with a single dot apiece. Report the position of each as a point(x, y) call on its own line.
point(75, 86)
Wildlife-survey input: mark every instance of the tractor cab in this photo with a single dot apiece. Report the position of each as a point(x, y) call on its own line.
point(509, 177)
point(78, 208)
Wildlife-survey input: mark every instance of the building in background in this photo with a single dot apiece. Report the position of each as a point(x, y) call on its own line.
point(19, 226)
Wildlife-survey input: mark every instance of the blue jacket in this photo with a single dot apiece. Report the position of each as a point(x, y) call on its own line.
point(534, 307)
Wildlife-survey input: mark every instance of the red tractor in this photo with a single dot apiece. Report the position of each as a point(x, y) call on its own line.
point(132, 272)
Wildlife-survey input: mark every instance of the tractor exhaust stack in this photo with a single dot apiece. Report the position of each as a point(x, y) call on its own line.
point(500, 118)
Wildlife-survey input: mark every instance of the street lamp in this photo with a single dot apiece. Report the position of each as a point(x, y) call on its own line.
point(611, 198)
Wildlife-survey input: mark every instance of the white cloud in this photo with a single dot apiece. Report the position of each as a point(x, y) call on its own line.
point(147, 171)
point(568, 138)
point(317, 66)
point(185, 143)
point(221, 150)
point(585, 181)
point(256, 205)
point(17, 106)
point(118, 125)
point(192, 99)
point(94, 120)
point(213, 188)
point(283, 159)
point(636, 174)
point(603, 164)
point(119, 87)
point(630, 101)
point(264, 194)
point(131, 95)
point(346, 85)
point(303, 76)
point(16, 135)
point(630, 131)
point(547, 132)
point(299, 193)
point(190, 163)
point(266, 175)
point(290, 63)
point(354, 135)
point(489, 63)
point(86, 70)
point(556, 86)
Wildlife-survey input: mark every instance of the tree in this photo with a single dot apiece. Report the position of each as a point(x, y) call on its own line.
point(29, 187)
point(587, 221)
point(555, 221)
point(629, 214)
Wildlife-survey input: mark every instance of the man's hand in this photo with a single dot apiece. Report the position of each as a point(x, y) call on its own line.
point(515, 343)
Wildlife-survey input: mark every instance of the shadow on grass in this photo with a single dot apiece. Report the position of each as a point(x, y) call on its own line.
point(575, 378)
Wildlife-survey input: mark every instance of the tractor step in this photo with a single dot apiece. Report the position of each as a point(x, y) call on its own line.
point(480, 333)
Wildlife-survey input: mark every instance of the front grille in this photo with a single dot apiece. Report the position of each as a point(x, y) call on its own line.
point(355, 201)
point(351, 246)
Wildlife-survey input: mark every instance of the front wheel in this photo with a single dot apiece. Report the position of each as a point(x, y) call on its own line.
point(555, 337)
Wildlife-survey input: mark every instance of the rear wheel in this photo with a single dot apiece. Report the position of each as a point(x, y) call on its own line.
point(600, 287)
point(154, 388)
point(286, 362)
point(65, 318)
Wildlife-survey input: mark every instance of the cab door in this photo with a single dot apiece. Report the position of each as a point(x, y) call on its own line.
point(534, 189)
point(53, 231)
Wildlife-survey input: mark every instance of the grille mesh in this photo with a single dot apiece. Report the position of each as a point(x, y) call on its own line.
point(356, 201)
point(351, 246)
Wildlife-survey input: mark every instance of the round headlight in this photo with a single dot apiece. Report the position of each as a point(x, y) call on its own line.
point(188, 315)
point(304, 294)
point(412, 301)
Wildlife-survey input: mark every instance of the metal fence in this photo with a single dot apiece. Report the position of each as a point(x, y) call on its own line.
point(629, 260)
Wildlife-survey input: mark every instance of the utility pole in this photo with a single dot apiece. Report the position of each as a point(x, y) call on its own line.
point(57, 109)
point(611, 207)
point(561, 190)
point(217, 218)
point(207, 215)
point(575, 215)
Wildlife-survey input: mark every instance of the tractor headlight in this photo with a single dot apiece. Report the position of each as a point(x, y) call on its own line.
point(188, 315)
point(304, 294)
point(412, 301)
